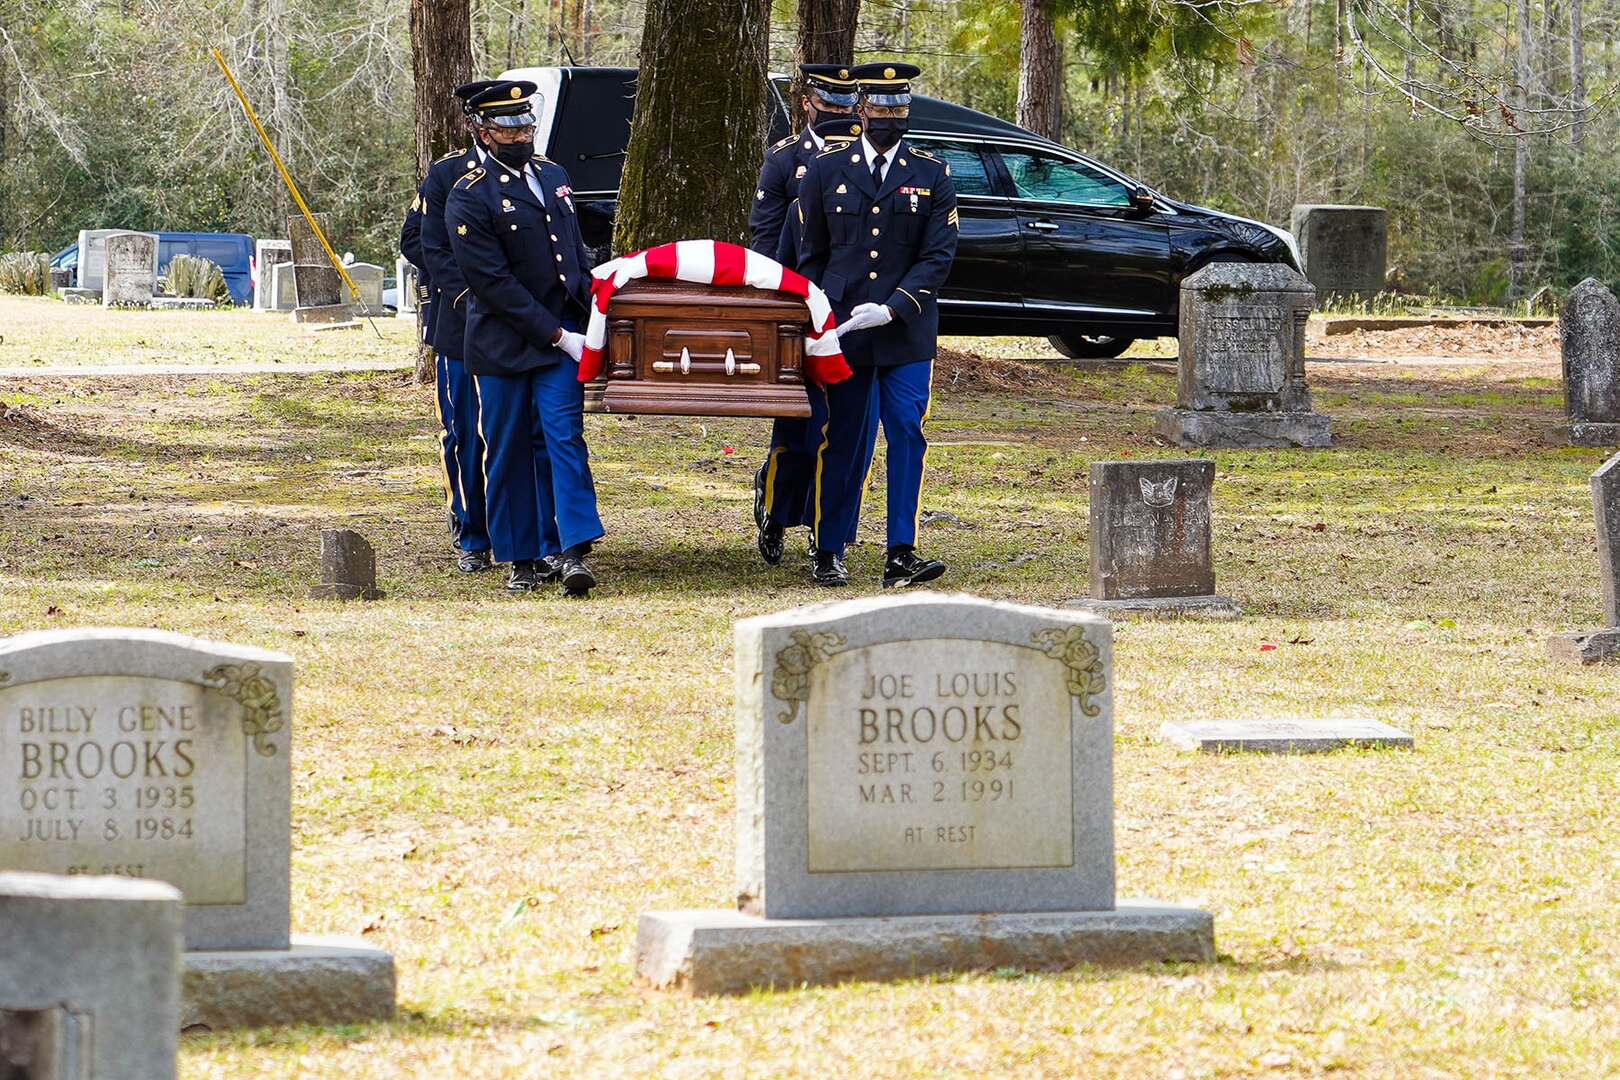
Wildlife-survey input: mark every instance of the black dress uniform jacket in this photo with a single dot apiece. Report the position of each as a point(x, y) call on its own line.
point(785, 163)
point(890, 246)
point(525, 264)
point(445, 320)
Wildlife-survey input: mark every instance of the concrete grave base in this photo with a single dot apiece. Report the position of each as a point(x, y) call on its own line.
point(81, 296)
point(1581, 433)
point(726, 952)
point(182, 303)
point(1235, 430)
point(319, 980)
point(1283, 736)
point(1586, 646)
point(1161, 607)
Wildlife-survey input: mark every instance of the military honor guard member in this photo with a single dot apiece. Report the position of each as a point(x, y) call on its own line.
point(782, 484)
point(424, 241)
point(517, 243)
point(879, 235)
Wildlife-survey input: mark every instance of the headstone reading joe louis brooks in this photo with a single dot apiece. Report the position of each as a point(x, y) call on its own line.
point(923, 784)
point(146, 754)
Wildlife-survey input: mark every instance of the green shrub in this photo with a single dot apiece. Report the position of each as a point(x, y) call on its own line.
point(25, 272)
point(190, 276)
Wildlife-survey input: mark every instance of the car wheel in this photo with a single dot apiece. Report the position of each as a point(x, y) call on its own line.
point(1089, 346)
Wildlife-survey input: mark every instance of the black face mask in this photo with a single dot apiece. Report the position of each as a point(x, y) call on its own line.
point(885, 131)
point(512, 155)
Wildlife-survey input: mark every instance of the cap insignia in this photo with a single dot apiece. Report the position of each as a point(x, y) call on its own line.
point(888, 73)
point(516, 93)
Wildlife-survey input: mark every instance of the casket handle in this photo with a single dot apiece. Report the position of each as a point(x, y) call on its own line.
point(731, 362)
point(686, 361)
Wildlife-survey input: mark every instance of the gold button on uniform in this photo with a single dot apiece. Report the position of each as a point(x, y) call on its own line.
point(874, 209)
point(874, 254)
point(873, 275)
point(874, 232)
point(554, 236)
point(559, 258)
point(514, 228)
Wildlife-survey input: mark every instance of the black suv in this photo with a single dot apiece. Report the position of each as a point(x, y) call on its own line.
point(1052, 242)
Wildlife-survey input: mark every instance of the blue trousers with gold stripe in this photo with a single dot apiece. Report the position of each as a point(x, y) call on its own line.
point(462, 452)
point(901, 397)
point(537, 473)
point(790, 468)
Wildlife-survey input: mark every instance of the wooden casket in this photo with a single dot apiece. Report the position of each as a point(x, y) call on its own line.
point(677, 348)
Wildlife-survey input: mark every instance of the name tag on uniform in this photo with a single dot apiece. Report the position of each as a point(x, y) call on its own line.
point(506, 206)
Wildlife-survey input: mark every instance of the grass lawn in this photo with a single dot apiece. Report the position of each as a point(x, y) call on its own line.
point(493, 788)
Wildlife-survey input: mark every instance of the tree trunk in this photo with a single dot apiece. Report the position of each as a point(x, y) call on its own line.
point(1038, 70)
point(441, 58)
point(1577, 77)
point(695, 140)
point(1521, 153)
point(826, 36)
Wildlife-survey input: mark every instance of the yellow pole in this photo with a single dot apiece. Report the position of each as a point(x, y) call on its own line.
point(286, 176)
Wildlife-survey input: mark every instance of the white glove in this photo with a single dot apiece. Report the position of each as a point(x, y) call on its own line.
point(573, 344)
point(865, 317)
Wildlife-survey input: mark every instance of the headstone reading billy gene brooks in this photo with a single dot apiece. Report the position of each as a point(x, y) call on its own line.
point(1589, 341)
point(924, 784)
point(1241, 373)
point(1150, 540)
point(1591, 646)
point(1344, 248)
point(146, 754)
point(131, 269)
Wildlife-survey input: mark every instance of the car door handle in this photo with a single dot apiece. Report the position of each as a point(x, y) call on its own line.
point(1043, 226)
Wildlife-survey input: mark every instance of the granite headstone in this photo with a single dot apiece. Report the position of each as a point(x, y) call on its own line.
point(405, 286)
point(1310, 736)
point(348, 567)
point(92, 271)
point(1150, 540)
point(368, 280)
point(923, 784)
point(1589, 341)
point(1592, 646)
point(148, 754)
point(130, 276)
point(1344, 248)
point(1241, 370)
point(89, 978)
point(322, 295)
point(267, 255)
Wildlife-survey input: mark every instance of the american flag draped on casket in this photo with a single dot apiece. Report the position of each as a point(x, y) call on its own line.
point(703, 328)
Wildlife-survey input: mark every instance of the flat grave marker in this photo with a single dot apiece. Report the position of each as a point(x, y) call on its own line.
point(1283, 736)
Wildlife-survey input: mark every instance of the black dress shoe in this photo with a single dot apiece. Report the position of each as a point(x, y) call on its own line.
point(904, 568)
point(759, 500)
point(473, 562)
point(525, 576)
point(770, 543)
point(577, 578)
point(829, 569)
point(550, 569)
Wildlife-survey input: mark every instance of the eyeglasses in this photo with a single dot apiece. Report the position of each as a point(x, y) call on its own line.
point(512, 134)
point(899, 112)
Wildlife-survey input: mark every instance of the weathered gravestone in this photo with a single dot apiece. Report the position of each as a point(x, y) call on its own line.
point(1589, 339)
point(321, 292)
point(1150, 540)
point(1283, 736)
point(348, 567)
point(93, 257)
point(1592, 646)
point(1344, 248)
point(283, 297)
point(267, 255)
point(131, 269)
point(405, 286)
point(923, 784)
point(148, 754)
point(1241, 373)
point(89, 978)
point(368, 280)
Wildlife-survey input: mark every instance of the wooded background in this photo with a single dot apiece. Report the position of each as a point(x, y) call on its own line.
point(1483, 127)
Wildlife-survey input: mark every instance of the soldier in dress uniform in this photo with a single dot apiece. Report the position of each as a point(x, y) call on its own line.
point(517, 242)
point(425, 243)
point(782, 484)
point(879, 235)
